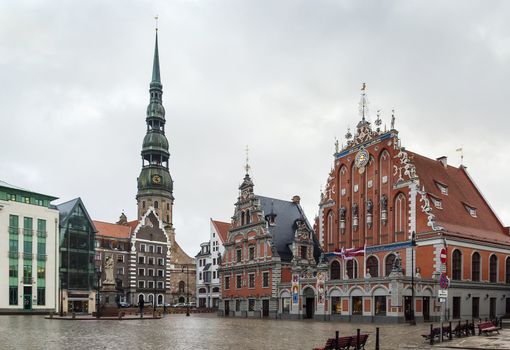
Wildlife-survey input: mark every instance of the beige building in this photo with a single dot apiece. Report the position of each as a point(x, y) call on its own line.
point(28, 251)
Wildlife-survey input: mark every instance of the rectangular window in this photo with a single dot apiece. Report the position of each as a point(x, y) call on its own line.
point(141, 272)
point(141, 284)
point(160, 285)
point(456, 308)
point(26, 200)
point(200, 275)
point(357, 306)
point(13, 268)
point(41, 271)
point(251, 280)
point(150, 272)
point(120, 271)
point(120, 258)
point(27, 226)
point(161, 261)
point(380, 306)
point(251, 304)
point(214, 274)
point(151, 284)
point(238, 305)
point(285, 305)
point(161, 273)
point(475, 307)
point(265, 280)
point(142, 247)
point(304, 252)
point(200, 263)
point(13, 224)
point(238, 281)
point(27, 274)
point(27, 246)
point(239, 254)
point(159, 249)
point(13, 197)
point(151, 249)
point(13, 295)
point(227, 282)
point(13, 245)
point(141, 260)
point(151, 261)
point(41, 228)
point(41, 296)
point(41, 248)
point(336, 305)
point(252, 252)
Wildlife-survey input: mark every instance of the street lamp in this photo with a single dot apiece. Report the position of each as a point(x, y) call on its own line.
point(413, 244)
point(98, 296)
point(187, 289)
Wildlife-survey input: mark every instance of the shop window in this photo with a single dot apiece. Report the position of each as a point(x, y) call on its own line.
point(357, 305)
point(380, 305)
point(336, 305)
point(251, 304)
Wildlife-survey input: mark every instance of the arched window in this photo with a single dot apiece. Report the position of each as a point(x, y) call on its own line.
point(400, 223)
point(456, 265)
point(475, 267)
point(160, 299)
point(507, 270)
point(373, 266)
point(156, 204)
point(182, 286)
point(390, 259)
point(352, 268)
point(329, 232)
point(242, 218)
point(216, 289)
point(493, 268)
point(202, 290)
point(334, 270)
point(248, 218)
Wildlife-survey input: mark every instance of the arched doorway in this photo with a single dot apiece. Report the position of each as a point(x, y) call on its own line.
point(309, 302)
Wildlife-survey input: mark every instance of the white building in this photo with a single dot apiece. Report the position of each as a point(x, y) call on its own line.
point(28, 251)
point(208, 260)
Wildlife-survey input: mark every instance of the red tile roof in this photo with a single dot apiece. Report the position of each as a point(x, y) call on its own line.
point(222, 229)
point(107, 229)
point(454, 216)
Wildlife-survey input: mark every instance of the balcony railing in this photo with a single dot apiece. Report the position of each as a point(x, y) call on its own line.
point(13, 230)
point(28, 232)
point(42, 257)
point(42, 234)
point(27, 256)
point(14, 255)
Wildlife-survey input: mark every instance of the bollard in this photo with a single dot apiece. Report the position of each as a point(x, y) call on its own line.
point(336, 340)
point(357, 339)
point(450, 333)
point(431, 334)
point(377, 338)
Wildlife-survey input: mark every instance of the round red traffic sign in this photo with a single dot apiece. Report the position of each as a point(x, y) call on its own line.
point(442, 255)
point(443, 281)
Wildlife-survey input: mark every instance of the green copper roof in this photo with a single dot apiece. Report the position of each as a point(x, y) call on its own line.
point(155, 66)
point(20, 189)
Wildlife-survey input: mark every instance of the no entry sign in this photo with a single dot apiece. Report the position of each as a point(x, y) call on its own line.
point(443, 281)
point(443, 255)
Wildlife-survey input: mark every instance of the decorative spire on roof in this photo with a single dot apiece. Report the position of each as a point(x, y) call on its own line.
point(247, 166)
point(247, 182)
point(378, 121)
point(156, 78)
point(392, 119)
point(363, 103)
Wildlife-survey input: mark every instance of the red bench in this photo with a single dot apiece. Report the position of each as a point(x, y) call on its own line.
point(362, 341)
point(486, 328)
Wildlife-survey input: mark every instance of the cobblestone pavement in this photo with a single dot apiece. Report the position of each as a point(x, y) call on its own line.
point(206, 331)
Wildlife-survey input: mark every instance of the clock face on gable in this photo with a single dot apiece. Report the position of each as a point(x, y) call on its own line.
point(361, 159)
point(156, 179)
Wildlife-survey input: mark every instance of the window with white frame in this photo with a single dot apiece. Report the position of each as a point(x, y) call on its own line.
point(142, 247)
point(238, 281)
point(151, 248)
point(161, 261)
point(120, 270)
point(161, 273)
point(265, 279)
point(159, 249)
point(120, 258)
point(141, 272)
point(442, 188)
point(150, 285)
point(437, 202)
point(141, 284)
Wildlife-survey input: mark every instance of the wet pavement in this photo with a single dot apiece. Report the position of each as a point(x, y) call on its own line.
point(206, 331)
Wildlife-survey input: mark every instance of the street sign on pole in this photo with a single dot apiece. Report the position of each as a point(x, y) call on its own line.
point(443, 281)
point(442, 293)
point(442, 300)
point(443, 255)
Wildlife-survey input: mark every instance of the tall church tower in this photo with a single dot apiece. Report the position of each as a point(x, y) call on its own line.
point(155, 185)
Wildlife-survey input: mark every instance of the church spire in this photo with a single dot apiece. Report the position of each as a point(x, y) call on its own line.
point(156, 79)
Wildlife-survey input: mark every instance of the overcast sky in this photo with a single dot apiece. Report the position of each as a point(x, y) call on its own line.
point(280, 76)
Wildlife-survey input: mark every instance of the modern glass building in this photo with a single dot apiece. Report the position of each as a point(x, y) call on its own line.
point(28, 251)
point(77, 272)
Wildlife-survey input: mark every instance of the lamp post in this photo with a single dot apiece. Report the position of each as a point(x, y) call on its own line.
point(154, 298)
point(187, 289)
point(98, 295)
point(413, 244)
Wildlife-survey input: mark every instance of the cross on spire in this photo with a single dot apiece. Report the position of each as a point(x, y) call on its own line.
point(156, 18)
point(363, 103)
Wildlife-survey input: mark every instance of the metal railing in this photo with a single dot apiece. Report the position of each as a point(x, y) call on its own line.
point(13, 230)
point(27, 256)
point(28, 232)
point(14, 255)
point(42, 257)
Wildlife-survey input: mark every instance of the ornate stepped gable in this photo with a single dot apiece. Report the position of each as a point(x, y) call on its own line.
point(377, 192)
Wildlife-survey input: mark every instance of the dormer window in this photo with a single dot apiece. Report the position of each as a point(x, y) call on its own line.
point(437, 202)
point(442, 188)
point(471, 210)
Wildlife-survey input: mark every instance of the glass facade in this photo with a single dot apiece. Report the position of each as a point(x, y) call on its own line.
point(77, 251)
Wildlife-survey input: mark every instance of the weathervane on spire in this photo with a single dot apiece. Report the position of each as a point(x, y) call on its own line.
point(247, 166)
point(378, 121)
point(156, 18)
point(393, 119)
point(363, 103)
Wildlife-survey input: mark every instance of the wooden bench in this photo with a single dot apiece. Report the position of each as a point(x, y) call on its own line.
point(362, 341)
point(486, 328)
point(343, 343)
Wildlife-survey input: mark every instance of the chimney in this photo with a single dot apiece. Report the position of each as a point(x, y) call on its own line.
point(443, 160)
point(296, 199)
